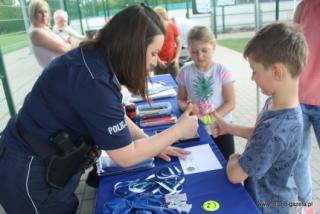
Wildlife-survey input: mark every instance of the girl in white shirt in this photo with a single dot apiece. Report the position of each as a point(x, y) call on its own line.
point(207, 84)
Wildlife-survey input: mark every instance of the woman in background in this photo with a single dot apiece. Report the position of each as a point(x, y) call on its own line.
point(168, 61)
point(46, 45)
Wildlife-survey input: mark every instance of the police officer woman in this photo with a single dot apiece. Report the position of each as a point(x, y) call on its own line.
point(77, 98)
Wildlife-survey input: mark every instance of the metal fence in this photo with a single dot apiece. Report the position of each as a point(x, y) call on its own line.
point(92, 14)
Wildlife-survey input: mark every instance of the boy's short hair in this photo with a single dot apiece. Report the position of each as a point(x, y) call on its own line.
point(278, 43)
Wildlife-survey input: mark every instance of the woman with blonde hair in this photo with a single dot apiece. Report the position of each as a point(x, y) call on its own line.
point(46, 45)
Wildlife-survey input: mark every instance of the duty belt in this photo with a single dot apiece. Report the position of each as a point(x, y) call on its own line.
point(43, 150)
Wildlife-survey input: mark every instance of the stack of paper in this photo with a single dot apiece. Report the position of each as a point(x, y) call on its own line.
point(156, 91)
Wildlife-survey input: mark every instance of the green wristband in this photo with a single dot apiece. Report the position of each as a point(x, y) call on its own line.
point(207, 120)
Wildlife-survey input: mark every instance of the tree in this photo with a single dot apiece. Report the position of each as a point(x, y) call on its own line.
point(7, 2)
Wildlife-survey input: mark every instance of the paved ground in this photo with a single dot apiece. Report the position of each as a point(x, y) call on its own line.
point(21, 68)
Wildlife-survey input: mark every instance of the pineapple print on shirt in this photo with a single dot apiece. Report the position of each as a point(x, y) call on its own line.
point(204, 91)
point(205, 88)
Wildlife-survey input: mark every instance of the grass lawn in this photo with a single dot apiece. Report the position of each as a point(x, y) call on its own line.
point(234, 44)
point(13, 41)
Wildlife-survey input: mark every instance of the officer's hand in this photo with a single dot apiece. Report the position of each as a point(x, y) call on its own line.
point(188, 123)
point(173, 151)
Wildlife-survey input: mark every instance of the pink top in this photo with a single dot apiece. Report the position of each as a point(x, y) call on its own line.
point(310, 78)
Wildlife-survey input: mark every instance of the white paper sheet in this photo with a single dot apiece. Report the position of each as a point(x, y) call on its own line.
point(201, 159)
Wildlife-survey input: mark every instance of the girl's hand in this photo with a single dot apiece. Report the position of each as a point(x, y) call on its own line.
point(172, 151)
point(195, 109)
point(219, 126)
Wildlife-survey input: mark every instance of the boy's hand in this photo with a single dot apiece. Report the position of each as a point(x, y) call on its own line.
point(219, 126)
point(234, 157)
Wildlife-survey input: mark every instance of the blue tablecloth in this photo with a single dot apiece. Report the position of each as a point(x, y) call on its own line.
point(200, 187)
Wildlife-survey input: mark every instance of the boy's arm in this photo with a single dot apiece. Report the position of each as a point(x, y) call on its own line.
point(221, 127)
point(241, 131)
point(234, 171)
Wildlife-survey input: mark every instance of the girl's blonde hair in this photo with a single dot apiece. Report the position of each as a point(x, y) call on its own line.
point(202, 34)
point(33, 6)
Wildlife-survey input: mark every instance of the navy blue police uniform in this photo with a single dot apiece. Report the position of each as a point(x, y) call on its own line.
point(78, 94)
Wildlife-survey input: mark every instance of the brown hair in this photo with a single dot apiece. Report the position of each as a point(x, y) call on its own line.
point(279, 43)
point(33, 7)
point(202, 34)
point(123, 42)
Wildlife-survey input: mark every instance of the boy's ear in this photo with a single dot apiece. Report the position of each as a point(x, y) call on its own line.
point(278, 70)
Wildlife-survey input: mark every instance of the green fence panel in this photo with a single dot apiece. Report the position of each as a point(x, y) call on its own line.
point(6, 87)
